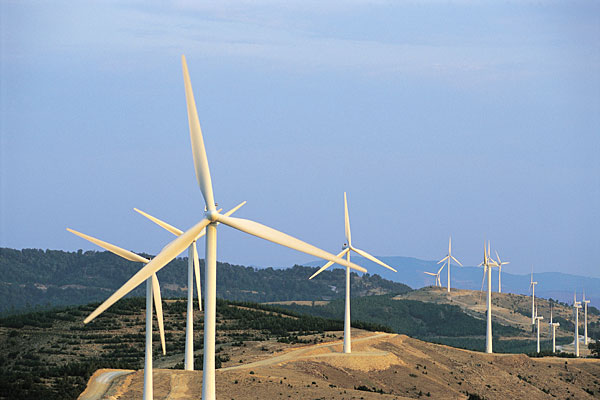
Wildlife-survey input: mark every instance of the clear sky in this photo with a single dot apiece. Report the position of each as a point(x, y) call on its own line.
point(479, 120)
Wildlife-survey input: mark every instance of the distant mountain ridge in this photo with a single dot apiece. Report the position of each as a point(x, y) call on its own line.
point(556, 285)
point(33, 277)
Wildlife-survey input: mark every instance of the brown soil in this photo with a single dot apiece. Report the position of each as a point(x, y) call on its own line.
point(400, 366)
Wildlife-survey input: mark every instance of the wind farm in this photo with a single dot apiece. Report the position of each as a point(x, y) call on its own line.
point(203, 117)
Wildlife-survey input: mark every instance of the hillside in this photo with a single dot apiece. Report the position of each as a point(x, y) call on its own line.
point(51, 354)
point(458, 318)
point(381, 366)
point(515, 279)
point(32, 277)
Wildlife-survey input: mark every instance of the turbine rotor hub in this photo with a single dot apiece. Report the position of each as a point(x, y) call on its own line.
point(211, 215)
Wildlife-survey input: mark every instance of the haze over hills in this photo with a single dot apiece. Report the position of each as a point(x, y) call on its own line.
point(556, 285)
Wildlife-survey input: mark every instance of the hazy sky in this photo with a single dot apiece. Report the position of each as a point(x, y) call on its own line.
point(479, 120)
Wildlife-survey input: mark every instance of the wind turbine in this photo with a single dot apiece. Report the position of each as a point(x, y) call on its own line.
point(449, 257)
point(487, 264)
point(576, 307)
point(532, 287)
point(438, 282)
point(152, 291)
point(585, 303)
point(553, 326)
point(538, 319)
point(210, 220)
point(500, 264)
point(346, 251)
point(193, 269)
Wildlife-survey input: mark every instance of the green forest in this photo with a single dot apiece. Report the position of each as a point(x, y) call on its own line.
point(33, 279)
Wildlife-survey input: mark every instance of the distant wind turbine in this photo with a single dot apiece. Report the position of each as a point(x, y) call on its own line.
point(576, 307)
point(449, 257)
point(585, 303)
point(537, 320)
point(346, 251)
point(500, 264)
point(553, 326)
point(152, 291)
point(211, 217)
point(487, 264)
point(438, 282)
point(532, 287)
point(193, 269)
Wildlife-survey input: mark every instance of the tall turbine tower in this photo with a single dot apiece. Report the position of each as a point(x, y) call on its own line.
point(500, 264)
point(532, 287)
point(585, 303)
point(152, 292)
point(537, 320)
point(193, 269)
point(487, 264)
point(576, 307)
point(553, 326)
point(210, 220)
point(449, 257)
point(346, 250)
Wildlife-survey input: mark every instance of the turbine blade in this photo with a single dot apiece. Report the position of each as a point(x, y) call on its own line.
point(498, 257)
point(169, 252)
point(234, 209)
point(126, 254)
point(443, 259)
point(430, 273)
point(163, 224)
point(330, 263)
point(458, 262)
point(370, 257)
point(275, 236)
point(159, 311)
point(441, 268)
point(347, 221)
point(450, 245)
point(198, 149)
point(197, 273)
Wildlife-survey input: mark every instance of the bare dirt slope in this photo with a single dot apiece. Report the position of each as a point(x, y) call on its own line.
point(399, 366)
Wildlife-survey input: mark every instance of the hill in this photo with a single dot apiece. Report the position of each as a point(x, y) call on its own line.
point(47, 278)
point(458, 318)
point(51, 354)
point(515, 279)
point(381, 366)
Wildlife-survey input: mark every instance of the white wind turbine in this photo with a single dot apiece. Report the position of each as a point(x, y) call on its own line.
point(585, 303)
point(553, 326)
point(193, 269)
point(500, 264)
point(438, 282)
point(210, 220)
point(487, 264)
point(152, 291)
point(537, 320)
point(449, 257)
point(576, 307)
point(532, 287)
point(347, 247)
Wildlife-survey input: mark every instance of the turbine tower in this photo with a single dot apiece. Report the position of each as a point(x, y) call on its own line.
point(487, 264)
point(193, 269)
point(152, 291)
point(537, 320)
point(449, 257)
point(500, 264)
point(576, 307)
point(585, 303)
point(210, 220)
point(346, 251)
point(532, 287)
point(438, 282)
point(553, 326)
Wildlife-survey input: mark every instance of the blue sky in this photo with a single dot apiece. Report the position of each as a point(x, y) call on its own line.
point(479, 120)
